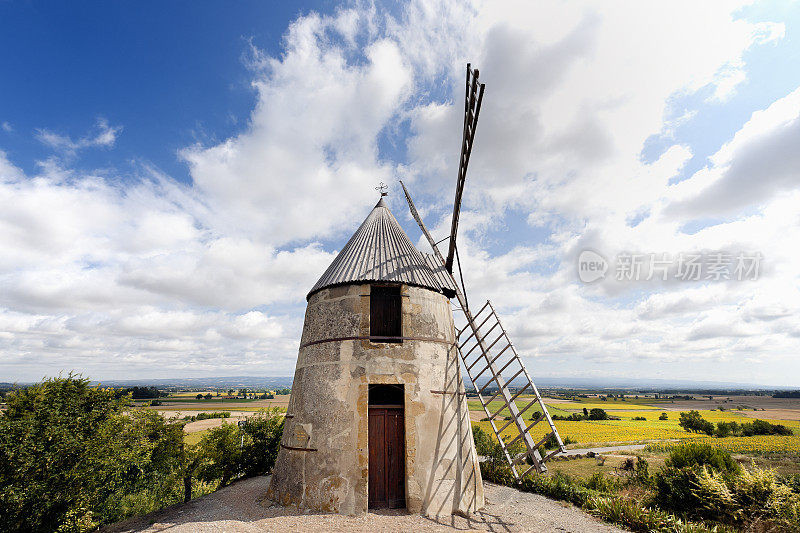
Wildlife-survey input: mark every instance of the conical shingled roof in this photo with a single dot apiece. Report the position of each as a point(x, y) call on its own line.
point(381, 251)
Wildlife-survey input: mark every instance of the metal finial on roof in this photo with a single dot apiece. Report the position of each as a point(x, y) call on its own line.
point(382, 188)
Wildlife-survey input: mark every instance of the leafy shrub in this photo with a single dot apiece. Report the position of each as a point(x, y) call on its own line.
point(73, 457)
point(638, 418)
point(642, 471)
point(487, 445)
point(220, 452)
point(598, 414)
point(676, 483)
point(693, 455)
point(207, 416)
point(263, 432)
point(610, 508)
point(726, 429)
point(755, 494)
point(231, 451)
point(663, 416)
point(484, 442)
point(762, 427)
point(692, 421)
point(601, 483)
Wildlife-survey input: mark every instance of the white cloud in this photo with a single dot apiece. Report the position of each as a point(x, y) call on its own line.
point(104, 137)
point(211, 278)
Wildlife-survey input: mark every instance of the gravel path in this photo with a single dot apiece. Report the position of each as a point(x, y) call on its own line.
point(604, 449)
point(241, 507)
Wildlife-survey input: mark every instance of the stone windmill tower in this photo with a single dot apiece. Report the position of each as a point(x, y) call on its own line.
point(378, 414)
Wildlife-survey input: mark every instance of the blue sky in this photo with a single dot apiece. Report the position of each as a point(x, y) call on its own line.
point(174, 177)
point(173, 73)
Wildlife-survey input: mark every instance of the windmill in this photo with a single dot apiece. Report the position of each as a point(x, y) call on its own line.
point(378, 415)
point(484, 346)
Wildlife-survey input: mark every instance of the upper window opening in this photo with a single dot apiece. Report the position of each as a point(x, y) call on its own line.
point(385, 312)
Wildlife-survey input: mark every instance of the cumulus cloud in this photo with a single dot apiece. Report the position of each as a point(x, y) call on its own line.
point(151, 277)
point(761, 161)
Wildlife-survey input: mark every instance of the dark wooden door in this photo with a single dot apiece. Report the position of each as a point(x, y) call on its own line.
point(386, 458)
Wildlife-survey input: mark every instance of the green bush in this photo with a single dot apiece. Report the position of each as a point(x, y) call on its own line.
point(663, 416)
point(232, 451)
point(601, 483)
point(73, 457)
point(484, 442)
point(692, 421)
point(642, 471)
point(610, 508)
point(263, 432)
point(694, 455)
point(753, 495)
point(220, 454)
point(762, 427)
point(726, 429)
point(675, 485)
point(598, 414)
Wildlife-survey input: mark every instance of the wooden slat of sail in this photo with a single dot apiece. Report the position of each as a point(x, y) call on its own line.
point(515, 365)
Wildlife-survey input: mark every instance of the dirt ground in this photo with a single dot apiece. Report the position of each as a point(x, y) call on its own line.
point(226, 405)
point(202, 425)
point(242, 507)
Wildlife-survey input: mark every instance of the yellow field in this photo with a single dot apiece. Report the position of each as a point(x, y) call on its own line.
point(596, 432)
point(605, 431)
point(761, 444)
point(608, 406)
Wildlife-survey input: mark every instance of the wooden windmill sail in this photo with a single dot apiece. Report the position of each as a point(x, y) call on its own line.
point(491, 361)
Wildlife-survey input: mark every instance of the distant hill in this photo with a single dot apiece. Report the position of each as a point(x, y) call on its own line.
point(233, 382)
point(542, 382)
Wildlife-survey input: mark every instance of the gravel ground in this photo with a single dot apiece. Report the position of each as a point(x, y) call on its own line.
point(604, 449)
point(242, 507)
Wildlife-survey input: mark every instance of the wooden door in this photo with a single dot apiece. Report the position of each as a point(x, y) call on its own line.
point(386, 458)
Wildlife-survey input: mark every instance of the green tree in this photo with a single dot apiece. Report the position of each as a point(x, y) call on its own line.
point(598, 414)
point(78, 456)
point(220, 454)
point(663, 416)
point(692, 421)
point(263, 432)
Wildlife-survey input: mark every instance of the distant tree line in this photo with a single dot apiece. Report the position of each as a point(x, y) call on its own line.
point(694, 422)
point(787, 394)
point(594, 414)
point(141, 393)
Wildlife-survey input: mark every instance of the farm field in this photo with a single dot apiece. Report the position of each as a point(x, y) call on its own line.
point(191, 405)
point(662, 434)
point(626, 430)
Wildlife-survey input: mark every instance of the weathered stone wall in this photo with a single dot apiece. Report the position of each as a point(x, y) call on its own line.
point(323, 464)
